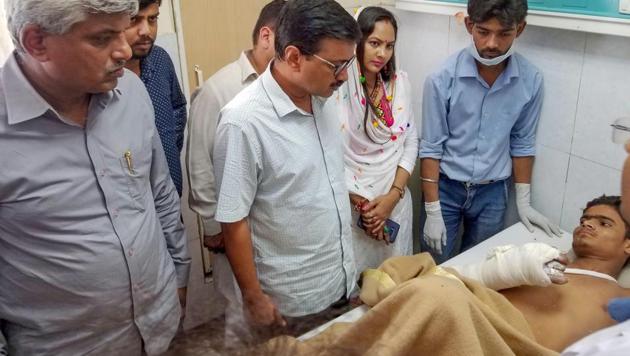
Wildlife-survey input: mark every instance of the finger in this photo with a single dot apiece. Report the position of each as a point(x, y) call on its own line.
point(278, 319)
point(379, 228)
point(438, 248)
point(563, 258)
point(370, 205)
point(528, 224)
point(547, 229)
point(556, 230)
point(559, 279)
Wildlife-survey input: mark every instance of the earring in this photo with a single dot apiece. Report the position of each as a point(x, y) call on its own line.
point(362, 79)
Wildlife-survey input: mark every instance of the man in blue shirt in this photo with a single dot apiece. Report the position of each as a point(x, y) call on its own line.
point(155, 68)
point(480, 112)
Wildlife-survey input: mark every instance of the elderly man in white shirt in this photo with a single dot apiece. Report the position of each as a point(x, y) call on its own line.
point(207, 102)
point(282, 199)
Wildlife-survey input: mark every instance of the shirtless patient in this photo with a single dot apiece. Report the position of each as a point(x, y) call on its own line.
point(561, 314)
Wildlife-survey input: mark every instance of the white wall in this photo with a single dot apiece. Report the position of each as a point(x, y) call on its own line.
point(587, 78)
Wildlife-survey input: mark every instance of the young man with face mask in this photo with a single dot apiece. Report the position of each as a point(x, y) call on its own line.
point(480, 112)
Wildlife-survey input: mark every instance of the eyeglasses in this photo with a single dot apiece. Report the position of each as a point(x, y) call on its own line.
point(337, 68)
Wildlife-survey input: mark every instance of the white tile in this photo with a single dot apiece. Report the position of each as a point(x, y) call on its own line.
point(548, 185)
point(586, 180)
point(559, 54)
point(458, 36)
point(548, 181)
point(420, 49)
point(603, 98)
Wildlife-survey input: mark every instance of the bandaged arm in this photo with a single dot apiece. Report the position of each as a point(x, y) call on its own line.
point(532, 264)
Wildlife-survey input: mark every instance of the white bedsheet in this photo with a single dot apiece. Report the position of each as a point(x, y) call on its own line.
point(516, 234)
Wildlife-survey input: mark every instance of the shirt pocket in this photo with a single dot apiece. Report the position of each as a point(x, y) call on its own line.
point(136, 170)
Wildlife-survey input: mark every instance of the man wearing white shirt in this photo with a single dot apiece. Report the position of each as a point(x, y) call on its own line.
point(207, 102)
point(282, 199)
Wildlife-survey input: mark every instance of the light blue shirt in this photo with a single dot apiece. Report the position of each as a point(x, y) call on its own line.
point(91, 250)
point(473, 129)
point(282, 168)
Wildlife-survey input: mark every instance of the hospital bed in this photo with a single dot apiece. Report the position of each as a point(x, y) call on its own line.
point(516, 234)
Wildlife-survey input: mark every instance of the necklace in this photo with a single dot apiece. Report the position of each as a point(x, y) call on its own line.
point(381, 108)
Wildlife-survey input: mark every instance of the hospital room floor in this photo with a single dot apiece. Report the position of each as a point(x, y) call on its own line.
point(204, 340)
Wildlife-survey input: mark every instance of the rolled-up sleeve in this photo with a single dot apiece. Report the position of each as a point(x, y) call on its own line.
point(236, 166)
point(167, 206)
point(204, 114)
point(434, 124)
point(523, 134)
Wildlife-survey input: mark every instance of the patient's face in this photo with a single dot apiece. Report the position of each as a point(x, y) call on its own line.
point(601, 233)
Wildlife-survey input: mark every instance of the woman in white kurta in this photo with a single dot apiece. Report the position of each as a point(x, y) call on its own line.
point(380, 141)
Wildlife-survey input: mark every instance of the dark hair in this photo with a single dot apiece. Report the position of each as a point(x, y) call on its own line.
point(305, 23)
point(268, 17)
point(367, 20)
point(612, 201)
point(144, 3)
point(508, 12)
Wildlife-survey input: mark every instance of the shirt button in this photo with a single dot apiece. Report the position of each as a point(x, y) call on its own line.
point(130, 252)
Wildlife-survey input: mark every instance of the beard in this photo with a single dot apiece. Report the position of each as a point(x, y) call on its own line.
point(140, 53)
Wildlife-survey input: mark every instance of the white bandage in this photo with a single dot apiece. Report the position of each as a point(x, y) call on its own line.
point(511, 266)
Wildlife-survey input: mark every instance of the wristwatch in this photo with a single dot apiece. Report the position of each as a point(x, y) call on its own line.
point(400, 190)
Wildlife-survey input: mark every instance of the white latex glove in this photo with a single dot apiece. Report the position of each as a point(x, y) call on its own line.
point(528, 215)
point(434, 229)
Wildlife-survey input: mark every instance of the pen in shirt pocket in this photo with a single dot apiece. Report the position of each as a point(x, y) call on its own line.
point(129, 160)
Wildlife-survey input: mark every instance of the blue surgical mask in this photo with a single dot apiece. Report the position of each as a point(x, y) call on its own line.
point(489, 61)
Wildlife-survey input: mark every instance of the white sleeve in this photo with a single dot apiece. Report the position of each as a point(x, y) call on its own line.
point(410, 147)
point(202, 126)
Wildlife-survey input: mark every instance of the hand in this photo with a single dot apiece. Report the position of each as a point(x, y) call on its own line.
point(377, 211)
point(528, 215)
point(214, 243)
point(555, 269)
point(181, 294)
point(261, 311)
point(357, 201)
point(434, 234)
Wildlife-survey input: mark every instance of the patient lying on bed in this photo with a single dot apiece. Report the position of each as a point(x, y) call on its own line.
point(561, 314)
point(419, 308)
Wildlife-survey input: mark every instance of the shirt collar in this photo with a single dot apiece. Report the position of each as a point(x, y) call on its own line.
point(247, 69)
point(279, 99)
point(469, 67)
point(24, 103)
point(22, 100)
point(147, 66)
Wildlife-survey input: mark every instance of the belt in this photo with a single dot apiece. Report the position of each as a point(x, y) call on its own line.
point(471, 184)
point(483, 182)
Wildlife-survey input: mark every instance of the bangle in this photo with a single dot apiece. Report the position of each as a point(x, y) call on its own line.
point(401, 191)
point(429, 180)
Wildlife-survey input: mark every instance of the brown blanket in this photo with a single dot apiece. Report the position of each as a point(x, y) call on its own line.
point(421, 309)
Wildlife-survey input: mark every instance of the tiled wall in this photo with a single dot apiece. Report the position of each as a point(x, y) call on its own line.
point(587, 81)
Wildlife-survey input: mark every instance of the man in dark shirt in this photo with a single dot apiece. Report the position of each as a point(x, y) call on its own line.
point(155, 68)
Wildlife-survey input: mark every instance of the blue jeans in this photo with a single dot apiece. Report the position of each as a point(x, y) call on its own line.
point(481, 208)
